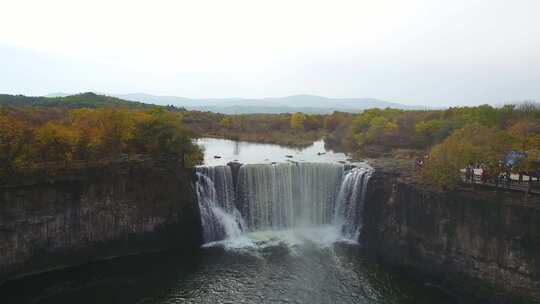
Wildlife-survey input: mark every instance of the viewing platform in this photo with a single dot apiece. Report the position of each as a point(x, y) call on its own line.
point(526, 184)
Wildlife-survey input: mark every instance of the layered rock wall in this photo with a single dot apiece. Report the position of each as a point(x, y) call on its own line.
point(480, 241)
point(72, 217)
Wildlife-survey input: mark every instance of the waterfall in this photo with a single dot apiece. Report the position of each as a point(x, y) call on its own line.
point(288, 195)
point(215, 194)
point(350, 201)
point(280, 196)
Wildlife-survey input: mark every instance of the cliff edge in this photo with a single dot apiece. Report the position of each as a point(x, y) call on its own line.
point(50, 221)
point(480, 241)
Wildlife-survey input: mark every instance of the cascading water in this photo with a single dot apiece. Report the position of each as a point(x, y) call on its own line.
point(280, 196)
point(288, 195)
point(219, 217)
point(350, 201)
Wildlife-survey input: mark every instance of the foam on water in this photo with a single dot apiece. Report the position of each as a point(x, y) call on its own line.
point(285, 203)
point(322, 236)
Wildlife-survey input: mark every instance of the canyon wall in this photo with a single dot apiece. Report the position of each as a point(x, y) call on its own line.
point(480, 242)
point(80, 215)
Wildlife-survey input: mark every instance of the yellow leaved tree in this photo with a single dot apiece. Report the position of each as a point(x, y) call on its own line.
point(474, 143)
point(297, 121)
point(55, 142)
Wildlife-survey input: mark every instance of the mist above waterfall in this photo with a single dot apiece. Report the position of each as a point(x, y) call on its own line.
point(280, 197)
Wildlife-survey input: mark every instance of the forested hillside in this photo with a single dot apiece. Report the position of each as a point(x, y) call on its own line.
point(452, 138)
point(90, 127)
point(84, 100)
point(105, 130)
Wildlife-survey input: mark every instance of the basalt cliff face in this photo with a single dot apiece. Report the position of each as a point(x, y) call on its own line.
point(481, 243)
point(94, 213)
point(477, 243)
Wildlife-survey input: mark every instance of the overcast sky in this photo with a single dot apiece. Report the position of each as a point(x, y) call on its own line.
point(427, 52)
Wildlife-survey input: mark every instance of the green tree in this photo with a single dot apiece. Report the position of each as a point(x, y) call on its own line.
point(429, 128)
point(226, 122)
point(163, 135)
point(431, 131)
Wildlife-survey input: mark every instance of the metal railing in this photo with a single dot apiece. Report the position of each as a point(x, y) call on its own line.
point(530, 185)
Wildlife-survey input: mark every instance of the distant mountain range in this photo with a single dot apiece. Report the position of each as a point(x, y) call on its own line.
point(297, 103)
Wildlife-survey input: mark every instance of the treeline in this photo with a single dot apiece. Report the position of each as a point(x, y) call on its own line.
point(83, 100)
point(90, 127)
point(452, 138)
point(36, 135)
point(284, 129)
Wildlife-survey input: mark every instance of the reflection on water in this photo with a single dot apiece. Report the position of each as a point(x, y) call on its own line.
point(267, 268)
point(236, 148)
point(222, 151)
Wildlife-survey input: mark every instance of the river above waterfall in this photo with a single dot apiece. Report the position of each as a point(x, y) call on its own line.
point(221, 151)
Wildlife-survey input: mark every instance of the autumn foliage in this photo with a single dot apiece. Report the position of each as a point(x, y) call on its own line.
point(472, 144)
point(452, 138)
point(285, 129)
point(91, 135)
point(89, 127)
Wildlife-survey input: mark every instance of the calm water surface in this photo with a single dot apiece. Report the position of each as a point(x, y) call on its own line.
point(255, 153)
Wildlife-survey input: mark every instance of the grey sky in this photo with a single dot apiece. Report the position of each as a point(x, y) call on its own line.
point(415, 52)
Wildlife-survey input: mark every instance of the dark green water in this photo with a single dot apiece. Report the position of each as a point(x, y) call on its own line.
point(275, 272)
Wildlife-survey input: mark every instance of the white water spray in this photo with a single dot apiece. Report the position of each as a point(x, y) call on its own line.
point(284, 196)
point(219, 217)
point(350, 202)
